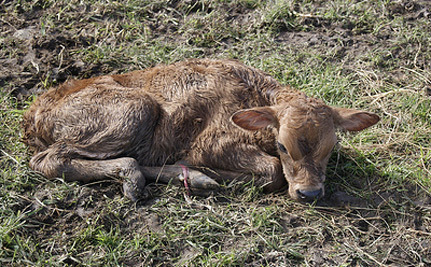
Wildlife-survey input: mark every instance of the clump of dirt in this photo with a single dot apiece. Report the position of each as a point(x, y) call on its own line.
point(40, 61)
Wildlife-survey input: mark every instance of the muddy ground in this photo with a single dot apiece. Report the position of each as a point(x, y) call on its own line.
point(44, 43)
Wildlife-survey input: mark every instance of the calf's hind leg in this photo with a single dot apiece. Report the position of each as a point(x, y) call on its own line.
point(197, 181)
point(52, 164)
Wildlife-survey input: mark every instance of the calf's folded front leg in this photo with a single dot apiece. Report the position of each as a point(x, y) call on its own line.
point(241, 162)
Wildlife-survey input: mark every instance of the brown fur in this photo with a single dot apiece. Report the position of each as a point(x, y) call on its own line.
point(113, 125)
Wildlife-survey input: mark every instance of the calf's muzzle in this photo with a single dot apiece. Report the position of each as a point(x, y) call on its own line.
point(309, 195)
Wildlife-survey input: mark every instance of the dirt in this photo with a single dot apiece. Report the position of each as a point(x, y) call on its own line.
point(34, 58)
point(31, 61)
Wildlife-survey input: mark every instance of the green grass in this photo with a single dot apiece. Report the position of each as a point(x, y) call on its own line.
point(371, 55)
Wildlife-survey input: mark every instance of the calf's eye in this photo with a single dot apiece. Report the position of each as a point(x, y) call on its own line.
point(281, 147)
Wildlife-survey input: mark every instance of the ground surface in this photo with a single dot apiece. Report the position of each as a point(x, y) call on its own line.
point(374, 55)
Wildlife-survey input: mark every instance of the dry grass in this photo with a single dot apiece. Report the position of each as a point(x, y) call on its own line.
point(365, 54)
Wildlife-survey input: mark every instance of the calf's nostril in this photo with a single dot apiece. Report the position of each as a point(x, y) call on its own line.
point(309, 195)
point(300, 194)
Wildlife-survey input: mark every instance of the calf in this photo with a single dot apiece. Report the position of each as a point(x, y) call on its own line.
point(231, 120)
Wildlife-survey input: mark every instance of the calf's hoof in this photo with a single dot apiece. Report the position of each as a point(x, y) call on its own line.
point(198, 180)
point(197, 183)
point(134, 187)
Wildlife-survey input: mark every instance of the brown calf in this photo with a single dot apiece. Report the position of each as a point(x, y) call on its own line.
point(221, 115)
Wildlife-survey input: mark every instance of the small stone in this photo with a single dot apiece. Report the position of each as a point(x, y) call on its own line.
point(25, 34)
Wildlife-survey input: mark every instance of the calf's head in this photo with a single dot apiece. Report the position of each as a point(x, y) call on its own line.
point(305, 136)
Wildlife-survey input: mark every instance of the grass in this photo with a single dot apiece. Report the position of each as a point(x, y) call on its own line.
point(372, 55)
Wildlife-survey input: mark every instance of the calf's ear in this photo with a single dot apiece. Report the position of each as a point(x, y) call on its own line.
point(255, 118)
point(354, 120)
